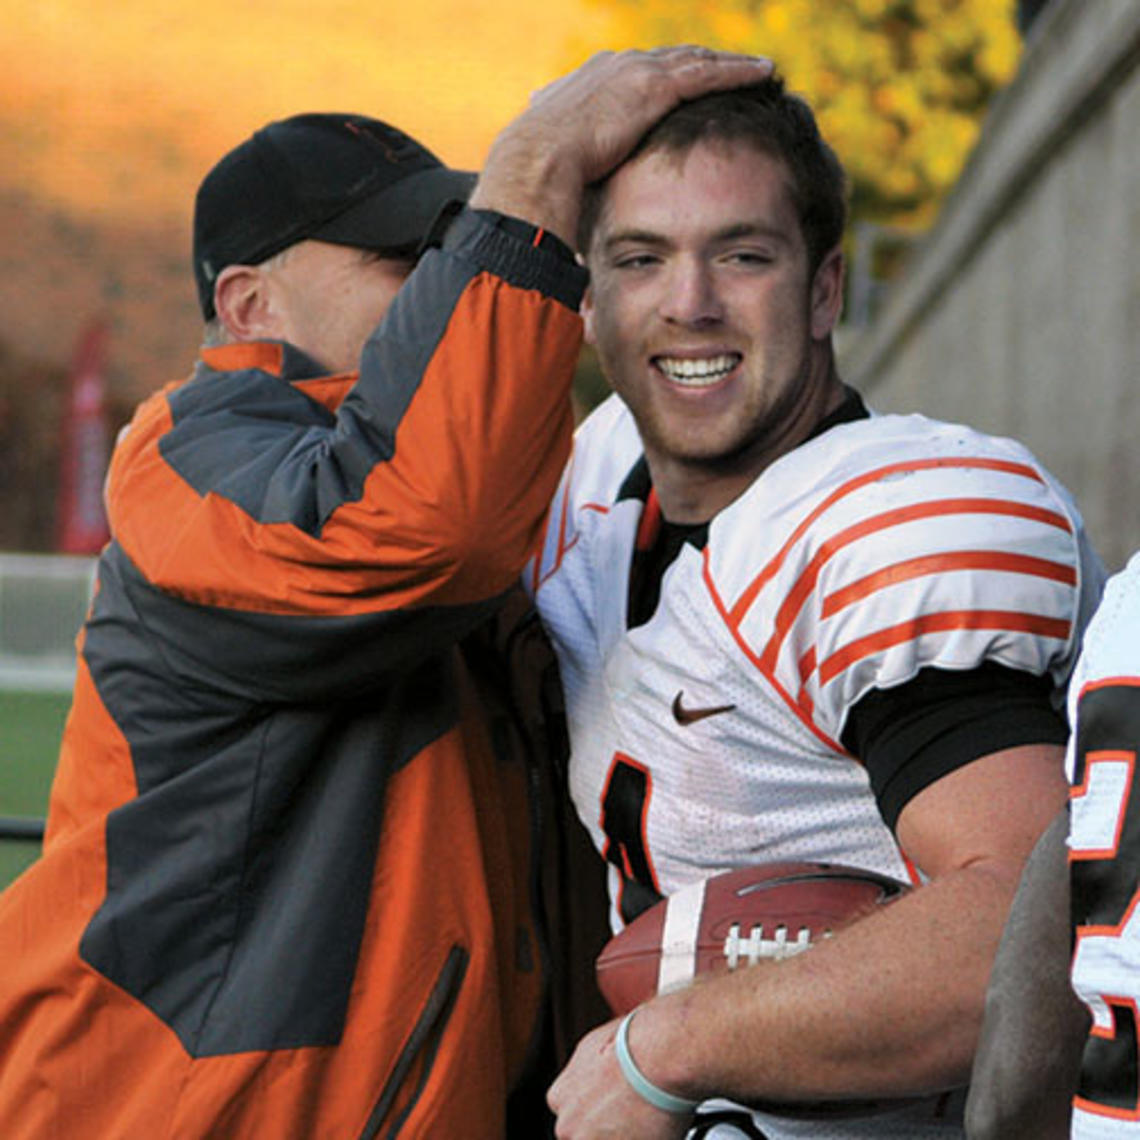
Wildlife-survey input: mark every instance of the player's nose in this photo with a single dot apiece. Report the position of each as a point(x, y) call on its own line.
point(689, 295)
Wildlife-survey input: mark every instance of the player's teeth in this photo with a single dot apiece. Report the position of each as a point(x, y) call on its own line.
point(697, 373)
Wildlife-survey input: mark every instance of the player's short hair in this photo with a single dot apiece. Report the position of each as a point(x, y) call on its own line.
point(774, 121)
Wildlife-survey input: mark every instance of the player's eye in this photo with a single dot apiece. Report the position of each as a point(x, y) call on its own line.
point(635, 261)
point(748, 257)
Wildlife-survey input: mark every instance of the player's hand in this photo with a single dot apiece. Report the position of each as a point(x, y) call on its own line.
point(578, 128)
point(593, 1101)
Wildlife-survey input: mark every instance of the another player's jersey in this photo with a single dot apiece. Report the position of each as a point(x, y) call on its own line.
point(709, 737)
point(1105, 860)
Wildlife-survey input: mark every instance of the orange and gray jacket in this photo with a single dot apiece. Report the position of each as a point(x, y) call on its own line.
point(284, 889)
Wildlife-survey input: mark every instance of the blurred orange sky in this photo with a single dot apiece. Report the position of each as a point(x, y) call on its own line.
point(115, 108)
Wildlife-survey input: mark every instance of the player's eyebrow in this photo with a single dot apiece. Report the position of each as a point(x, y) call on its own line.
point(634, 236)
point(750, 229)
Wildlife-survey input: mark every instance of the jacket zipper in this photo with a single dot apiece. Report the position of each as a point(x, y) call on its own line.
point(424, 1042)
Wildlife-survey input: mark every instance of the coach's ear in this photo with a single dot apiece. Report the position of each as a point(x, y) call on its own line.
point(827, 295)
point(244, 303)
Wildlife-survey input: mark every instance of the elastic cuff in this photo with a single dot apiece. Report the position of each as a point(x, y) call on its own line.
point(522, 254)
point(640, 1084)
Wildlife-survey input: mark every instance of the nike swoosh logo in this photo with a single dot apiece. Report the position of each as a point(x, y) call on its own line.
point(684, 716)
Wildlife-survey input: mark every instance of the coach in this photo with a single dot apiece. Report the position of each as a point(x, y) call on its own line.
point(285, 888)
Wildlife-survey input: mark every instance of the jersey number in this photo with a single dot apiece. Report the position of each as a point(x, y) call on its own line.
point(625, 806)
point(1104, 847)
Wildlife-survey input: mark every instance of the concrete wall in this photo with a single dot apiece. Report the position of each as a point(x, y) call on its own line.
point(1020, 311)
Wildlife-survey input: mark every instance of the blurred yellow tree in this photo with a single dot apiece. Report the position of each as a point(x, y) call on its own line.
point(899, 86)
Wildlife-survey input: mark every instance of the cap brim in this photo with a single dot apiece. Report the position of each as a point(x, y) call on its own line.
point(400, 216)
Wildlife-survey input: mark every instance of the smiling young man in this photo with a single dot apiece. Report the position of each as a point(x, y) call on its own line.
point(791, 629)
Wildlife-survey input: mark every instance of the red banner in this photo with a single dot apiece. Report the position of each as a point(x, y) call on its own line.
point(81, 519)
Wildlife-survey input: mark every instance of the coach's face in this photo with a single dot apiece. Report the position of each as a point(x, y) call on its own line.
point(704, 312)
point(324, 299)
point(331, 297)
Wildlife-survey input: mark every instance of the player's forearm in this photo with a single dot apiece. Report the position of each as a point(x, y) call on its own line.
point(889, 1007)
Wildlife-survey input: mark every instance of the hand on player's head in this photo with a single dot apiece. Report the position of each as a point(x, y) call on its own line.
point(578, 128)
point(601, 110)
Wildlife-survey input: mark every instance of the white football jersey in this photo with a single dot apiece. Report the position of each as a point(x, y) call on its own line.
point(1104, 843)
point(708, 738)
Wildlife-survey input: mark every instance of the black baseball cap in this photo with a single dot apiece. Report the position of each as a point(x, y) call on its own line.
point(345, 179)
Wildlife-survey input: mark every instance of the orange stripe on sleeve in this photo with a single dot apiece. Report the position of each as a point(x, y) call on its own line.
point(1005, 620)
point(943, 563)
point(564, 547)
point(746, 599)
point(806, 584)
point(802, 714)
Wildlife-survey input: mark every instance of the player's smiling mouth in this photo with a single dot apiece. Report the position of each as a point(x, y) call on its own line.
point(697, 372)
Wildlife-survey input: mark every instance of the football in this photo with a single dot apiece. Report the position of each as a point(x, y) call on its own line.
point(735, 919)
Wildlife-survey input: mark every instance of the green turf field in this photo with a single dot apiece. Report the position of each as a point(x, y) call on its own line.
point(30, 727)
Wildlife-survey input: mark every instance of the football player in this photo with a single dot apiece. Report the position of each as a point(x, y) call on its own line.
point(791, 628)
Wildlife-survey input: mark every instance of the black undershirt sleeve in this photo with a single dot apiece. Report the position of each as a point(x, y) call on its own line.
point(912, 735)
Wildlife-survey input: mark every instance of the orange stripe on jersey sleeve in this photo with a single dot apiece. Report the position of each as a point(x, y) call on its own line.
point(1009, 621)
point(806, 584)
point(807, 664)
point(564, 546)
point(744, 602)
point(944, 563)
point(798, 711)
point(806, 669)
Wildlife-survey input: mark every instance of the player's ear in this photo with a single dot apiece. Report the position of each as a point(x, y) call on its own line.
point(244, 304)
point(588, 316)
point(827, 294)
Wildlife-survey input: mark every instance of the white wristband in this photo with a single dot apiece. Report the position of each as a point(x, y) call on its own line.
point(640, 1084)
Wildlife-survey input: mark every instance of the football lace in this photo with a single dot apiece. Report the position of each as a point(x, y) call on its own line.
point(755, 946)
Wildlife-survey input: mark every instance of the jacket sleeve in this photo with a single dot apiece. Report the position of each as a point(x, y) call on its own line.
point(424, 491)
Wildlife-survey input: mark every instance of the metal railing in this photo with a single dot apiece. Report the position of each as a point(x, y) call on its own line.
point(21, 828)
point(43, 601)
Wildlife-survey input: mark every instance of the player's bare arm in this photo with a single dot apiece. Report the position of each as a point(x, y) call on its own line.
point(1025, 1070)
point(577, 129)
point(891, 1006)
